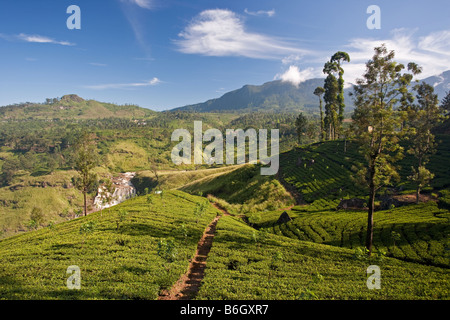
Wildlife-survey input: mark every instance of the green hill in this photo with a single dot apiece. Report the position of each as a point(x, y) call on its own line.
point(322, 174)
point(317, 255)
point(421, 230)
point(72, 107)
point(245, 264)
point(117, 261)
point(123, 260)
point(244, 190)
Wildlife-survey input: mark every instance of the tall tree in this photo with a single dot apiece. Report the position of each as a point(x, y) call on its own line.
point(301, 126)
point(319, 91)
point(86, 157)
point(423, 116)
point(376, 124)
point(338, 58)
point(331, 104)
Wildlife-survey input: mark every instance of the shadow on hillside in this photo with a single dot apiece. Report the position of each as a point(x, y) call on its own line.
point(413, 245)
point(142, 229)
point(9, 286)
point(12, 289)
point(62, 246)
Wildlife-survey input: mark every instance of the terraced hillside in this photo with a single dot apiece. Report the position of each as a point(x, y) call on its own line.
point(244, 189)
point(248, 264)
point(416, 233)
point(322, 174)
point(117, 260)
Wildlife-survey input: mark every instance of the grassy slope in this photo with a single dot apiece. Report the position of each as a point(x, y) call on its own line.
point(240, 268)
point(245, 188)
point(423, 230)
point(319, 248)
point(322, 183)
point(329, 177)
point(52, 193)
point(171, 179)
point(115, 264)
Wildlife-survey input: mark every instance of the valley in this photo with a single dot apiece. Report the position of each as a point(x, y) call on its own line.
point(164, 231)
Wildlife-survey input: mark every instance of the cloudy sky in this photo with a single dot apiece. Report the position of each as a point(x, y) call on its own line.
point(162, 54)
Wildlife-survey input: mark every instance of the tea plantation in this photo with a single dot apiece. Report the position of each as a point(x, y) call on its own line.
point(118, 258)
point(248, 264)
point(141, 247)
point(416, 233)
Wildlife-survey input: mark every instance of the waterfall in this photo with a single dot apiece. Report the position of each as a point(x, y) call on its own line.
point(123, 190)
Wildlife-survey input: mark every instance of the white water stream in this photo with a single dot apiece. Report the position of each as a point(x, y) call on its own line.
point(123, 190)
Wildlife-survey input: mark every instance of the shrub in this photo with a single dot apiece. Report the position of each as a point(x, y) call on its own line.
point(121, 217)
point(167, 250)
point(37, 216)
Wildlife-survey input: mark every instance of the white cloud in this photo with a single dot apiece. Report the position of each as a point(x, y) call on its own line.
point(42, 39)
point(431, 52)
point(135, 19)
point(268, 13)
point(146, 4)
point(34, 39)
point(97, 64)
point(437, 42)
point(293, 58)
point(221, 32)
point(152, 82)
point(295, 76)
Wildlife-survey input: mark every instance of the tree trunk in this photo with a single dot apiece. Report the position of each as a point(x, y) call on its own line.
point(418, 180)
point(322, 134)
point(369, 235)
point(418, 195)
point(85, 203)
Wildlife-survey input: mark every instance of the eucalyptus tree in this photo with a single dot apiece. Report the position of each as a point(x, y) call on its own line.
point(338, 58)
point(331, 104)
point(319, 91)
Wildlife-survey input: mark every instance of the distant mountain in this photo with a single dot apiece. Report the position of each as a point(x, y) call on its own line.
point(279, 96)
point(271, 96)
point(72, 107)
point(441, 84)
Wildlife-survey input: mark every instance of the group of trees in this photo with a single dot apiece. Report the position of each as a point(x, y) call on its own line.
point(332, 113)
point(392, 110)
point(333, 95)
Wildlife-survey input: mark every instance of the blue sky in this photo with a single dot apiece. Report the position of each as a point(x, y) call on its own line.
point(163, 54)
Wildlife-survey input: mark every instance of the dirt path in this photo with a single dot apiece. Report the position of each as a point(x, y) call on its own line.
point(186, 288)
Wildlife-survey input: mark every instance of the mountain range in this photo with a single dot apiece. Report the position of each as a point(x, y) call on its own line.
point(273, 96)
point(284, 96)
